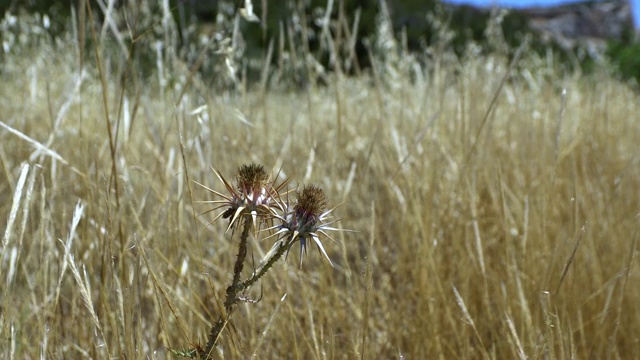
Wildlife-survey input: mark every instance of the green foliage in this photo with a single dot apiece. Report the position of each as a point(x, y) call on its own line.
point(625, 55)
point(299, 24)
point(58, 12)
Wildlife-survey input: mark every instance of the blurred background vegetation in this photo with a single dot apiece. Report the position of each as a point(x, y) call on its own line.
point(454, 156)
point(419, 23)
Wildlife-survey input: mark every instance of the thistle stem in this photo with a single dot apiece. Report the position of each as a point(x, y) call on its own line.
point(232, 291)
point(216, 329)
point(263, 270)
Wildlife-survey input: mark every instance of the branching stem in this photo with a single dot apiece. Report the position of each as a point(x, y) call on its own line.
point(232, 291)
point(263, 270)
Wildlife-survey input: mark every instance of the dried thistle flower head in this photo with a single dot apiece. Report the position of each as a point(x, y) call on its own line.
point(307, 221)
point(310, 203)
point(252, 181)
point(254, 195)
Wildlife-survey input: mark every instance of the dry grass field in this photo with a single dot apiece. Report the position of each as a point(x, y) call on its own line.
point(494, 208)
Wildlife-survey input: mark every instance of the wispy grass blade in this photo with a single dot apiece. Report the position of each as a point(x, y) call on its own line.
point(17, 195)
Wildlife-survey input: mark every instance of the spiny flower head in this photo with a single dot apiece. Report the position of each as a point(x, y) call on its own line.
point(306, 221)
point(310, 203)
point(254, 195)
point(252, 187)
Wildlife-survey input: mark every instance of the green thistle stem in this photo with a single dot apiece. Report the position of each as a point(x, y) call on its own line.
point(216, 329)
point(232, 291)
point(263, 270)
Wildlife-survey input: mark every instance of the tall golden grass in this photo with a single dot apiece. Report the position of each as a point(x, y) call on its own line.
point(496, 212)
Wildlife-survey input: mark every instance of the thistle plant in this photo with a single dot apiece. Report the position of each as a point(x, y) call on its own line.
point(256, 203)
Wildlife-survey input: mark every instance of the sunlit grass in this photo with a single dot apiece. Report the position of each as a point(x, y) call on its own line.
point(510, 236)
